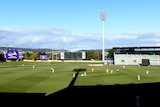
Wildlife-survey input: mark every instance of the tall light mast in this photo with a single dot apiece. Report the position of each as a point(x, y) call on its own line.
point(103, 17)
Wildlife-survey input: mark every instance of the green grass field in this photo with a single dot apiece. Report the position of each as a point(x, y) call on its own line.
point(22, 77)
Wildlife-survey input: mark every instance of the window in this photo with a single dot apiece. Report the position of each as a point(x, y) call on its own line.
point(122, 60)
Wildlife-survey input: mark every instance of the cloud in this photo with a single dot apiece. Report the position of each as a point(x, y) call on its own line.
point(56, 38)
point(133, 39)
point(121, 37)
point(67, 39)
point(48, 38)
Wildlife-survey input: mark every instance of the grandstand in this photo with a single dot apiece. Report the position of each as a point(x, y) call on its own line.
point(145, 55)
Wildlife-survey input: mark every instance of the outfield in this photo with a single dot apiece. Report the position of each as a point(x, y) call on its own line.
point(22, 77)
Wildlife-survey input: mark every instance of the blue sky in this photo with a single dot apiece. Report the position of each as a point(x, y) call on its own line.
point(76, 24)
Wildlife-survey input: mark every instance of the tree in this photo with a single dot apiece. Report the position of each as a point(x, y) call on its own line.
point(89, 55)
point(27, 55)
point(34, 56)
point(97, 55)
point(1, 57)
point(110, 53)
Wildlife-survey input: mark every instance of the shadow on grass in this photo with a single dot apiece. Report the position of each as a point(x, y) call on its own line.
point(131, 95)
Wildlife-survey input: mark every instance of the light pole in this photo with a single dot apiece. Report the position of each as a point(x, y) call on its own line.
point(103, 17)
point(52, 54)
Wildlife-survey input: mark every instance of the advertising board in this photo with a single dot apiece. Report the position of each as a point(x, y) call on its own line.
point(12, 54)
point(43, 57)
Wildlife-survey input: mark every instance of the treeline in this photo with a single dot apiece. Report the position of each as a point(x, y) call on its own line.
point(34, 54)
point(95, 55)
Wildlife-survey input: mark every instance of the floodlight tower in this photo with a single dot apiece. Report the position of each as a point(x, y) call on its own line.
point(103, 17)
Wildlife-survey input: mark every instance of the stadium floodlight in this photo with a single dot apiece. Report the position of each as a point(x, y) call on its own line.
point(103, 17)
point(52, 54)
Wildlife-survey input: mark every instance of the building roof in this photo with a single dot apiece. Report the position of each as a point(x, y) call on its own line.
point(136, 47)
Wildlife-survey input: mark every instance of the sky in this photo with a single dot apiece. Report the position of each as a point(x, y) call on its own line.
point(76, 24)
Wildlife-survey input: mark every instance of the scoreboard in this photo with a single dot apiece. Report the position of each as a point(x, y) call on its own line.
point(73, 55)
